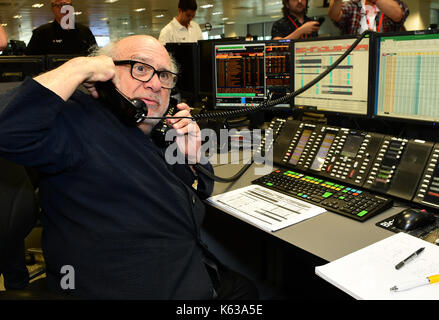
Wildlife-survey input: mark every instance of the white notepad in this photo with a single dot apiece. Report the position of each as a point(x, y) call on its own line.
point(265, 208)
point(369, 273)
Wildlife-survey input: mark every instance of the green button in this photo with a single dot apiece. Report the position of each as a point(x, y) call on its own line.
point(329, 183)
point(341, 198)
point(362, 213)
point(269, 184)
point(300, 194)
point(327, 195)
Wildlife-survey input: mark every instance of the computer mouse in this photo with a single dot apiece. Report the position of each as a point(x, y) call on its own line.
point(411, 219)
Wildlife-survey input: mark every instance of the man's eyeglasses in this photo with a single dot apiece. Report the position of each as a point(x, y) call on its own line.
point(60, 5)
point(144, 72)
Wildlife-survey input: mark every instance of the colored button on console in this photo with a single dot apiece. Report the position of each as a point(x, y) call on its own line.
point(362, 213)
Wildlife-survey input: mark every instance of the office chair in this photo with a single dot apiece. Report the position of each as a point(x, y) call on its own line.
point(18, 216)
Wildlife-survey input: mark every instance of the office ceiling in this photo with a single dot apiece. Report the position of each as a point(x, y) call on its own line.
point(120, 18)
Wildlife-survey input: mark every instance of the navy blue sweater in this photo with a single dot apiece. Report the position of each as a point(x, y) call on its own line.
point(125, 220)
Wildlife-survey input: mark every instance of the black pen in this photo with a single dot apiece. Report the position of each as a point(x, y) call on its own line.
point(410, 257)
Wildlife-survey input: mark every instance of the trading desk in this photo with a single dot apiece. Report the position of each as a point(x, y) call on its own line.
point(329, 236)
point(382, 166)
point(289, 254)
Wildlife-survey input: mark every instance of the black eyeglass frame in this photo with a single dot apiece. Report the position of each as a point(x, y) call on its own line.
point(133, 62)
point(60, 5)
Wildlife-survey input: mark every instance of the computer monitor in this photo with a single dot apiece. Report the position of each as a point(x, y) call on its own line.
point(239, 75)
point(187, 58)
point(54, 60)
point(279, 66)
point(16, 68)
point(347, 89)
point(407, 76)
point(206, 63)
point(206, 66)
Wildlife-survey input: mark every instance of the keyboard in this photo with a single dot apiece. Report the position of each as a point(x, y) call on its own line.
point(350, 202)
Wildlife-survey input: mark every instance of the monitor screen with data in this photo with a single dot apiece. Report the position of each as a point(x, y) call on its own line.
point(345, 90)
point(407, 76)
point(278, 69)
point(239, 76)
point(248, 73)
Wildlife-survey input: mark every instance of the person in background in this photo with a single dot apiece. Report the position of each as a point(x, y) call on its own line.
point(356, 16)
point(3, 39)
point(52, 38)
point(182, 28)
point(249, 37)
point(295, 24)
point(18, 216)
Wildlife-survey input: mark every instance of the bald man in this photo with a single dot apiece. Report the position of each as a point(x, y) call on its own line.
point(119, 221)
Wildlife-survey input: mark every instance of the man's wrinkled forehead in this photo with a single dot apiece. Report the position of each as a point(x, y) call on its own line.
point(143, 49)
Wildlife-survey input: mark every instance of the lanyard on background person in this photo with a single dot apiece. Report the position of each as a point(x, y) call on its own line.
point(368, 22)
point(292, 21)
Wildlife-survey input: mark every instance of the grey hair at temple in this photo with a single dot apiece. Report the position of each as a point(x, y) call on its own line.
point(109, 50)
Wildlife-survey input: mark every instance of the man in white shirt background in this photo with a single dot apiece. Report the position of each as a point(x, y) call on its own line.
point(182, 28)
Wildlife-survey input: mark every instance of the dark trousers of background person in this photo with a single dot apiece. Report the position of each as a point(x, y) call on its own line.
point(15, 273)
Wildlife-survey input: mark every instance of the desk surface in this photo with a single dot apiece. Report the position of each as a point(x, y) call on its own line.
point(329, 236)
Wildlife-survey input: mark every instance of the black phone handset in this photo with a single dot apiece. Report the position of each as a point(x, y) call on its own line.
point(133, 111)
point(158, 133)
point(130, 112)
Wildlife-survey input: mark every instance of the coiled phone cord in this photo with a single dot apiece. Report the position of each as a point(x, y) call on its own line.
point(265, 105)
point(282, 100)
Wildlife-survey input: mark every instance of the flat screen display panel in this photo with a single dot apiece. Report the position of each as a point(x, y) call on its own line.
point(239, 77)
point(407, 77)
point(345, 90)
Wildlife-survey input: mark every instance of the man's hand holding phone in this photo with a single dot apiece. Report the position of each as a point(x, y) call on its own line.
point(188, 134)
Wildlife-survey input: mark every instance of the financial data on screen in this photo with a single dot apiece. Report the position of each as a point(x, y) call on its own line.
point(407, 75)
point(345, 89)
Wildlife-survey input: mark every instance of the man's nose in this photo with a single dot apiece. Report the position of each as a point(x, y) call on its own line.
point(154, 83)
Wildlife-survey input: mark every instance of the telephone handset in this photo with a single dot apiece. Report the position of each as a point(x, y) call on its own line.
point(158, 133)
point(130, 112)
